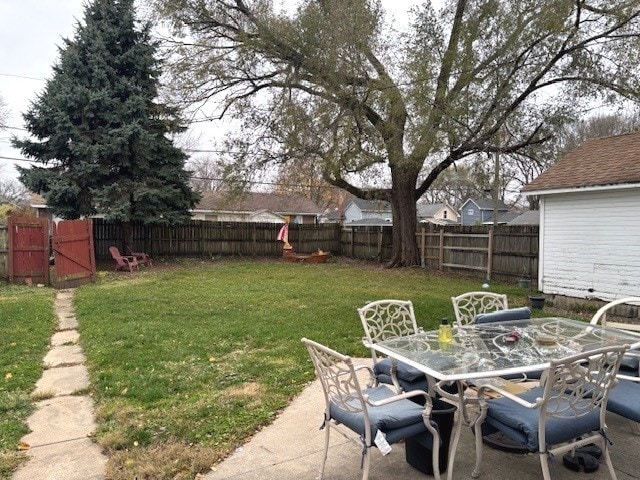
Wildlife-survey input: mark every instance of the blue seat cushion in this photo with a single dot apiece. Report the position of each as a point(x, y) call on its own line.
point(522, 313)
point(407, 386)
point(631, 362)
point(403, 371)
point(521, 423)
point(397, 420)
point(624, 400)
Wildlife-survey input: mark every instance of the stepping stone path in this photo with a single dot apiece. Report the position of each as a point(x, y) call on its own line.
point(60, 446)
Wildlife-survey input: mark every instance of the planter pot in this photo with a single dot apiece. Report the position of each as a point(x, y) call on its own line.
point(537, 301)
point(524, 284)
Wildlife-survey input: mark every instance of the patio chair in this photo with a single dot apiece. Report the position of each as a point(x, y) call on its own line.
point(623, 399)
point(141, 257)
point(566, 413)
point(468, 305)
point(123, 262)
point(372, 416)
point(384, 319)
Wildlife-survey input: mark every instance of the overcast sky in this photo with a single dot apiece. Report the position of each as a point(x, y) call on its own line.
point(30, 33)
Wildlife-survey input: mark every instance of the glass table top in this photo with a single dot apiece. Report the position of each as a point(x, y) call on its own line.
point(504, 348)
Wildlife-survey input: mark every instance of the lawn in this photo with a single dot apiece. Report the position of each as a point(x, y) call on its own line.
point(188, 361)
point(26, 325)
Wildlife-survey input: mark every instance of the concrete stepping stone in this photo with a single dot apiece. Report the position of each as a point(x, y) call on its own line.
point(67, 322)
point(65, 337)
point(63, 380)
point(64, 355)
point(74, 460)
point(60, 419)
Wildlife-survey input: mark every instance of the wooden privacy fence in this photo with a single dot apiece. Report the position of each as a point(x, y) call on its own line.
point(504, 252)
point(496, 253)
point(28, 243)
point(500, 253)
point(201, 238)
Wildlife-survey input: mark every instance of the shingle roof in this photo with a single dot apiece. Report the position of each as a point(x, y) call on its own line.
point(252, 202)
point(429, 209)
point(597, 162)
point(530, 217)
point(487, 204)
point(372, 205)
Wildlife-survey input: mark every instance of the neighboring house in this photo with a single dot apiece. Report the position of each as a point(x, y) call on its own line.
point(530, 217)
point(358, 209)
point(438, 213)
point(479, 211)
point(330, 216)
point(42, 210)
point(378, 213)
point(250, 207)
point(39, 204)
point(256, 207)
point(590, 220)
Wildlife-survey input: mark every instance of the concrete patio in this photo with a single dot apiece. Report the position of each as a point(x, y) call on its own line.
point(291, 448)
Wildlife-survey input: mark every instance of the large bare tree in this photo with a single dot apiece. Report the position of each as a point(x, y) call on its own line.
point(386, 113)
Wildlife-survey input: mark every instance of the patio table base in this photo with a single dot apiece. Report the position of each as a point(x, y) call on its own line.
point(500, 441)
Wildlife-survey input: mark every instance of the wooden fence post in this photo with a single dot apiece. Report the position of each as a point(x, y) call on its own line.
point(423, 247)
point(353, 241)
point(490, 254)
point(441, 251)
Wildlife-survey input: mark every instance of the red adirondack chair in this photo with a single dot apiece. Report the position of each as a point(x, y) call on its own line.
point(123, 262)
point(141, 257)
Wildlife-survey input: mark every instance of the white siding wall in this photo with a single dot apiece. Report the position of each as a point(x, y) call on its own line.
point(351, 213)
point(590, 244)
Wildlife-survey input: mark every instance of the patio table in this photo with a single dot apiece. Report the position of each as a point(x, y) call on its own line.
point(481, 352)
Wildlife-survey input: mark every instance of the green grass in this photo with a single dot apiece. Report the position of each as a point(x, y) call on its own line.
point(187, 363)
point(26, 325)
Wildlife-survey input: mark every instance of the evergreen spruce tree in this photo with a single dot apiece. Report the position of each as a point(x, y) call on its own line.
point(103, 138)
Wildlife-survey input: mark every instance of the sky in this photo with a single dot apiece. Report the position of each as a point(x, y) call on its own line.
point(30, 33)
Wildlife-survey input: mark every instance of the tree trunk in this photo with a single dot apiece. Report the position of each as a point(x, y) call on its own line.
point(405, 251)
point(127, 237)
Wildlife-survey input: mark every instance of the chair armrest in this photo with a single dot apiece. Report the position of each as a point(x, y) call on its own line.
point(402, 396)
point(454, 398)
point(357, 368)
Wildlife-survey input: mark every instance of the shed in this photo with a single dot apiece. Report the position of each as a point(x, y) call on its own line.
point(590, 220)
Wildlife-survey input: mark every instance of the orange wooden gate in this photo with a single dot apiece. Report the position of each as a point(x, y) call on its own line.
point(73, 249)
point(28, 260)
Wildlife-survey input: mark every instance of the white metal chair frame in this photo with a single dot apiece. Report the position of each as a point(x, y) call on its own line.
point(468, 305)
point(574, 386)
point(600, 317)
point(341, 388)
point(385, 319)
